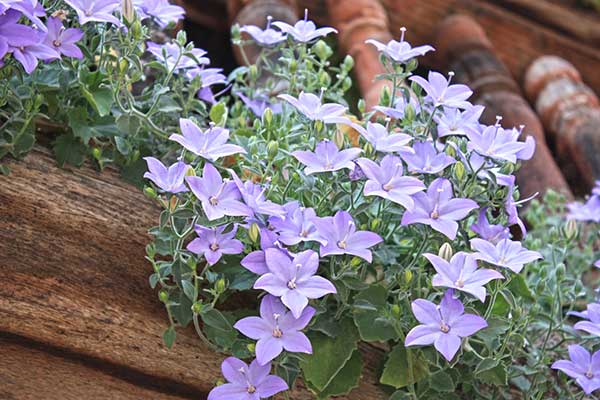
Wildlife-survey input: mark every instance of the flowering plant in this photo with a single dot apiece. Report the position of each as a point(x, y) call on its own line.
point(389, 226)
point(100, 75)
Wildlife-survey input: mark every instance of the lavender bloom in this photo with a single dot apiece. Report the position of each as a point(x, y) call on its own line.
point(32, 9)
point(596, 190)
point(294, 280)
point(247, 383)
point(28, 55)
point(592, 326)
point(326, 158)
point(506, 254)
point(267, 37)
point(426, 159)
point(511, 205)
point(438, 209)
point(491, 233)
point(63, 40)
point(15, 35)
point(443, 326)
point(218, 198)
point(442, 93)
point(401, 51)
point(310, 105)
point(587, 212)
point(342, 237)
point(95, 10)
point(297, 226)
point(276, 330)
point(213, 243)
point(211, 144)
point(254, 197)
point(386, 180)
point(168, 179)
point(255, 261)
point(455, 122)
point(382, 140)
point(501, 144)
point(208, 76)
point(398, 111)
point(304, 31)
point(258, 106)
point(6, 5)
point(161, 10)
point(597, 264)
point(461, 273)
point(170, 55)
point(582, 367)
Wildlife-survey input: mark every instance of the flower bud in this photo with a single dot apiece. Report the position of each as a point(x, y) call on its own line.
point(324, 79)
point(560, 271)
point(408, 275)
point(570, 229)
point(355, 262)
point(251, 347)
point(150, 250)
point(368, 148)
point(150, 192)
point(96, 153)
point(348, 63)
point(190, 172)
point(459, 170)
point(235, 32)
point(267, 117)
point(293, 66)
point(322, 50)
point(191, 263)
point(272, 149)
point(123, 66)
point(136, 30)
point(396, 311)
point(253, 72)
point(197, 307)
point(409, 112)
point(385, 96)
point(446, 251)
point(347, 84)
point(220, 286)
point(253, 232)
point(338, 138)
point(173, 203)
point(163, 296)
point(375, 224)
point(319, 125)
point(362, 106)
point(127, 10)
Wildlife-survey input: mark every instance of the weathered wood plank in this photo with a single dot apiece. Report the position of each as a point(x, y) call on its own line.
point(72, 245)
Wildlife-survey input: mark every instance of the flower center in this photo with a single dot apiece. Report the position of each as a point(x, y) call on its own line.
point(251, 389)
point(56, 43)
point(277, 333)
point(88, 13)
point(342, 244)
point(460, 283)
point(444, 327)
point(387, 187)
point(292, 284)
point(328, 166)
point(589, 374)
point(214, 246)
point(435, 214)
point(213, 200)
point(304, 233)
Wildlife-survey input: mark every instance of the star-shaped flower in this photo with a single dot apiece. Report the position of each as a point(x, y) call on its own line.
point(95, 10)
point(161, 10)
point(587, 212)
point(247, 382)
point(327, 158)
point(218, 198)
point(342, 237)
point(213, 243)
point(441, 93)
point(501, 144)
point(592, 325)
point(63, 40)
point(438, 209)
point(255, 261)
point(304, 31)
point(582, 367)
point(297, 226)
point(459, 123)
point(254, 197)
point(276, 330)
point(386, 180)
point(310, 105)
point(169, 179)
point(461, 273)
point(506, 253)
point(383, 141)
point(169, 54)
point(426, 159)
point(401, 51)
point(399, 109)
point(294, 280)
point(444, 326)
point(210, 144)
point(29, 55)
point(259, 105)
point(491, 233)
point(268, 37)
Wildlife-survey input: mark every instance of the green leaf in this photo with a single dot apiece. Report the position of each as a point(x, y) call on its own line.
point(25, 142)
point(218, 113)
point(215, 319)
point(169, 337)
point(396, 371)
point(369, 306)
point(182, 311)
point(153, 280)
point(329, 356)
point(345, 380)
point(4, 169)
point(519, 287)
point(492, 372)
point(101, 99)
point(128, 125)
point(69, 150)
point(441, 382)
point(85, 129)
point(190, 290)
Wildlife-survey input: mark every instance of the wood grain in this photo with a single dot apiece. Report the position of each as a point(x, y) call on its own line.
point(72, 244)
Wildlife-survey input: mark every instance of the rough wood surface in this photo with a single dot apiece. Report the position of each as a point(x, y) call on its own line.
point(72, 245)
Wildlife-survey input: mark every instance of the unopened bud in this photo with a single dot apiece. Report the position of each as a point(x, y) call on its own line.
point(385, 96)
point(253, 232)
point(150, 192)
point(459, 170)
point(319, 125)
point(560, 271)
point(322, 50)
point(293, 66)
point(396, 310)
point(267, 117)
point(362, 106)
point(163, 296)
point(408, 275)
point(127, 10)
point(348, 63)
point(347, 84)
point(324, 79)
point(253, 72)
point(272, 149)
point(123, 66)
point(375, 224)
point(570, 229)
point(220, 286)
point(339, 138)
point(173, 203)
point(197, 307)
point(356, 261)
point(251, 347)
point(136, 29)
point(409, 112)
point(446, 251)
point(97, 153)
point(368, 148)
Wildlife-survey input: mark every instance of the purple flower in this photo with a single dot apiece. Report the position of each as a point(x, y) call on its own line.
point(426, 159)
point(6, 5)
point(276, 330)
point(382, 140)
point(258, 105)
point(592, 326)
point(582, 367)
point(310, 105)
point(168, 179)
point(511, 205)
point(327, 158)
point(455, 122)
point(15, 35)
point(247, 382)
point(255, 261)
point(501, 144)
point(161, 10)
point(438, 209)
point(400, 51)
point(32, 9)
point(213, 243)
point(95, 10)
point(170, 55)
point(491, 233)
point(506, 253)
point(304, 31)
point(254, 197)
point(210, 144)
point(587, 212)
point(218, 198)
point(386, 180)
point(342, 237)
point(596, 190)
point(28, 55)
point(399, 109)
point(442, 93)
point(267, 37)
point(444, 326)
point(597, 264)
point(297, 226)
point(208, 76)
point(63, 40)
point(294, 280)
point(461, 273)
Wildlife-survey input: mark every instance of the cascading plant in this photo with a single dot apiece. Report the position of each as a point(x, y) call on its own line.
point(389, 226)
